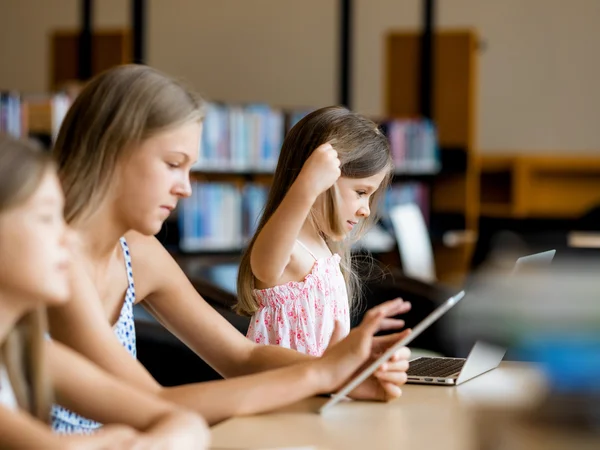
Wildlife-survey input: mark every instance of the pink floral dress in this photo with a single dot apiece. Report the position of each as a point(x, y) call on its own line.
point(301, 314)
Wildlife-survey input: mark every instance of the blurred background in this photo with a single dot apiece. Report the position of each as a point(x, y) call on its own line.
point(491, 108)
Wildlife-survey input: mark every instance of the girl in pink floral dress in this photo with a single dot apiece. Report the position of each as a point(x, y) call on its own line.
point(296, 278)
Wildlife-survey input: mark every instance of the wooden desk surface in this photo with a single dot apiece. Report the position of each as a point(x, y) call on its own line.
point(425, 417)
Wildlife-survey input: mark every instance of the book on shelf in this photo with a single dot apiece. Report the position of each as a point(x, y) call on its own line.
point(219, 216)
point(13, 117)
point(239, 138)
point(414, 146)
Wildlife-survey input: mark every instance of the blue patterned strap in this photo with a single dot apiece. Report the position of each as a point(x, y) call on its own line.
point(127, 257)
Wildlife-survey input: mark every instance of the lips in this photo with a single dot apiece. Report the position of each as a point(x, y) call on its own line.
point(351, 223)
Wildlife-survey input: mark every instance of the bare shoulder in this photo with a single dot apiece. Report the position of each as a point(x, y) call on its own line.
point(142, 246)
point(298, 268)
point(152, 264)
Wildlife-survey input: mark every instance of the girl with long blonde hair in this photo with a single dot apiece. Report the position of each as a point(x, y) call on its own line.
point(296, 278)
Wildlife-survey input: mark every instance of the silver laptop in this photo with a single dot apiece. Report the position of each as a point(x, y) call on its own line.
point(453, 371)
point(483, 356)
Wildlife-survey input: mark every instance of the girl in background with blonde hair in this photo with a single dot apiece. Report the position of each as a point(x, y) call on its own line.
point(124, 152)
point(296, 278)
point(34, 274)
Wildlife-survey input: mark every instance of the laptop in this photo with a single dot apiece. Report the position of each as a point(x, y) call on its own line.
point(482, 358)
point(454, 371)
point(534, 261)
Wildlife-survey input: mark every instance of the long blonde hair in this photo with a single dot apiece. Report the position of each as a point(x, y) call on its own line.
point(363, 152)
point(120, 107)
point(22, 168)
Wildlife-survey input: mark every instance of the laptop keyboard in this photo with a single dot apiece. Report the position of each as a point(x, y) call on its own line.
point(434, 367)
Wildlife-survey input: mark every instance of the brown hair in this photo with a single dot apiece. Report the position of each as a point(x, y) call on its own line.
point(363, 152)
point(22, 168)
point(120, 107)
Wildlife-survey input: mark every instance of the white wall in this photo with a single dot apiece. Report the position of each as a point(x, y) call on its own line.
point(538, 76)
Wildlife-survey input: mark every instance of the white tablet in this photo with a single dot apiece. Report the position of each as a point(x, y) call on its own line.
point(422, 326)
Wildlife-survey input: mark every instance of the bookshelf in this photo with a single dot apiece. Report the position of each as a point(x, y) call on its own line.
point(238, 154)
point(539, 186)
point(455, 190)
point(110, 47)
point(37, 116)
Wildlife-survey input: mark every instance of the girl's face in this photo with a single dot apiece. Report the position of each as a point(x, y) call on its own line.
point(156, 176)
point(355, 195)
point(34, 253)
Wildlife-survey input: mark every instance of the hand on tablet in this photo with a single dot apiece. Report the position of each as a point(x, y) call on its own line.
point(360, 347)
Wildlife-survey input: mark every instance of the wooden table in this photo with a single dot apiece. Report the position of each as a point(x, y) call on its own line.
point(425, 417)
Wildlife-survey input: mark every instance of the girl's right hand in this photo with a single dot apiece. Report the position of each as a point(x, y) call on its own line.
point(342, 360)
point(321, 170)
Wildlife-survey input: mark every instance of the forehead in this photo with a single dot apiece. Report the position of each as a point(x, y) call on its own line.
point(184, 139)
point(48, 192)
point(374, 181)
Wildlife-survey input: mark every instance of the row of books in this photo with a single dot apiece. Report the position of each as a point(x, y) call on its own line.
point(223, 217)
point(12, 116)
point(248, 139)
point(220, 216)
point(236, 138)
point(414, 146)
point(40, 115)
point(241, 138)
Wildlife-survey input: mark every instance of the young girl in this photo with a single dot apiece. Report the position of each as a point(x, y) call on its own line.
point(333, 167)
point(125, 150)
point(35, 274)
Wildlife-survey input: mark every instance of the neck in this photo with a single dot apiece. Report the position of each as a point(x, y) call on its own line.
point(310, 236)
point(10, 312)
point(309, 233)
point(99, 232)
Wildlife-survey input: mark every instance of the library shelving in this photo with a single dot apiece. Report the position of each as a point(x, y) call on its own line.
point(37, 116)
point(238, 154)
point(455, 190)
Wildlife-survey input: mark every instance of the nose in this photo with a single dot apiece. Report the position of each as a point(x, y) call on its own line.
point(364, 211)
point(183, 188)
point(69, 238)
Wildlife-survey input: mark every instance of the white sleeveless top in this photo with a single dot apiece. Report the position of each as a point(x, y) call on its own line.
point(7, 396)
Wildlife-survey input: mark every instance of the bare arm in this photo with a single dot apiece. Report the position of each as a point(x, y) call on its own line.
point(272, 250)
point(91, 392)
point(273, 247)
point(250, 394)
point(20, 431)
